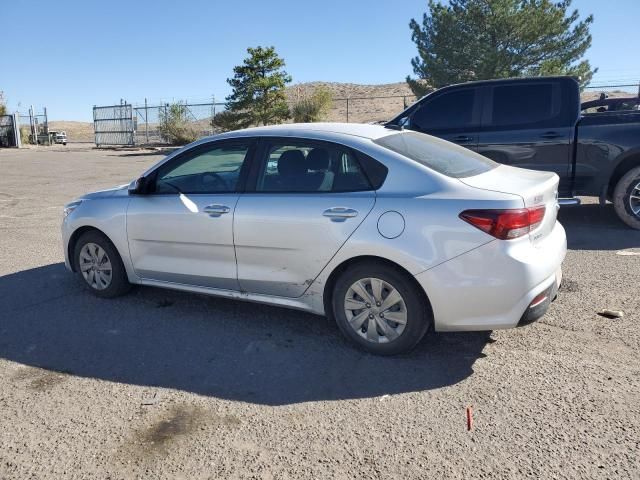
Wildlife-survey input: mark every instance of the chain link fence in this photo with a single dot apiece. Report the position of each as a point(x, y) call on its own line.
point(145, 126)
point(146, 118)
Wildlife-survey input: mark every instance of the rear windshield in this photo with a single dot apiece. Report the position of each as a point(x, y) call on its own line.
point(443, 157)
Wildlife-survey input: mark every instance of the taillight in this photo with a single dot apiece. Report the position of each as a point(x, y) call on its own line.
point(505, 224)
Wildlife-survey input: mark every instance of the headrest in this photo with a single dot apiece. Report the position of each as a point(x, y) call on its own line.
point(292, 162)
point(318, 159)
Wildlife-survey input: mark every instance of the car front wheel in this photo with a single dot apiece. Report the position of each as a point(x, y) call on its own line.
point(100, 266)
point(380, 309)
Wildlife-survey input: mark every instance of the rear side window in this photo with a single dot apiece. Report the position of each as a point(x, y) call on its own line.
point(526, 105)
point(299, 166)
point(443, 157)
point(452, 110)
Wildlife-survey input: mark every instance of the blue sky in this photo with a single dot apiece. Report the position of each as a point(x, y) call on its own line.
point(71, 55)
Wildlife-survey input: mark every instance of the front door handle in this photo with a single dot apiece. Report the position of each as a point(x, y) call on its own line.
point(550, 135)
point(216, 210)
point(340, 214)
point(462, 139)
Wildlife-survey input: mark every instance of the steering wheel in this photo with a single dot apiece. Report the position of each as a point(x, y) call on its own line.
point(209, 179)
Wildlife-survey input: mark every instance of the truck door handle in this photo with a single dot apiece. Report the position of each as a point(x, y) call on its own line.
point(550, 135)
point(340, 214)
point(462, 139)
point(216, 210)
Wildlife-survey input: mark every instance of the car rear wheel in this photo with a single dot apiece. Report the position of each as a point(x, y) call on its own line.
point(380, 309)
point(99, 265)
point(626, 198)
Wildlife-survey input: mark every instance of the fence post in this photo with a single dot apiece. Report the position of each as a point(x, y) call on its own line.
point(347, 109)
point(46, 126)
point(146, 122)
point(34, 137)
point(16, 129)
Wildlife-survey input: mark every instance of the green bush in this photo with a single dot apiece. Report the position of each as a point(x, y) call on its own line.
point(175, 126)
point(3, 105)
point(314, 107)
point(225, 121)
point(25, 135)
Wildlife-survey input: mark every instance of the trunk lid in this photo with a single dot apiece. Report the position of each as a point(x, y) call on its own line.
point(536, 188)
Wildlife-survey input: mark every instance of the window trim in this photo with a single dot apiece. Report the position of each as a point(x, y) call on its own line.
point(193, 152)
point(260, 155)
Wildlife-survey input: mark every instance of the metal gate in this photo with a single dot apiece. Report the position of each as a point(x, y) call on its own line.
point(114, 125)
point(7, 131)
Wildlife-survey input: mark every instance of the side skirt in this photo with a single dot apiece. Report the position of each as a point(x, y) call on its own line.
point(297, 304)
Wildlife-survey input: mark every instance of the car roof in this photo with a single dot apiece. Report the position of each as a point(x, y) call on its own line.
point(296, 129)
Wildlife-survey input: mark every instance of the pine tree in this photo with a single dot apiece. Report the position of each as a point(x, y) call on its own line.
point(483, 39)
point(258, 84)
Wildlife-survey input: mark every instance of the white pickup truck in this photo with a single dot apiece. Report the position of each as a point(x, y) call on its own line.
point(60, 137)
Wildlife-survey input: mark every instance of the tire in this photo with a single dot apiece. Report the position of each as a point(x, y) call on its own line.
point(86, 255)
point(413, 306)
point(627, 207)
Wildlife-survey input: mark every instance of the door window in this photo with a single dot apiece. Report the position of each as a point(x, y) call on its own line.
point(452, 110)
point(310, 167)
point(210, 169)
point(530, 105)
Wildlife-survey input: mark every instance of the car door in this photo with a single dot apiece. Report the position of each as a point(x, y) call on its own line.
point(181, 229)
point(451, 114)
point(307, 198)
point(526, 124)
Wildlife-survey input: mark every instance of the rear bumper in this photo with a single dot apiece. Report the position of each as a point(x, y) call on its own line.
point(493, 286)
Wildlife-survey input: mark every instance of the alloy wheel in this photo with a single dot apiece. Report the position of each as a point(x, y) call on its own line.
point(375, 310)
point(95, 266)
point(634, 200)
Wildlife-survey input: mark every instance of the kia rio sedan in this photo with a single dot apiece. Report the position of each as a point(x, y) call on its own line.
point(389, 232)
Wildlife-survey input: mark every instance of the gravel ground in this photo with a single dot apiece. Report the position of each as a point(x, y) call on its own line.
point(163, 384)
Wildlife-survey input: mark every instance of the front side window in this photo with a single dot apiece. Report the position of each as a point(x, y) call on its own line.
point(301, 166)
point(451, 110)
point(213, 169)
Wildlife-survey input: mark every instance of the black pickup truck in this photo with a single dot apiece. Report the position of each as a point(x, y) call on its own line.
point(537, 123)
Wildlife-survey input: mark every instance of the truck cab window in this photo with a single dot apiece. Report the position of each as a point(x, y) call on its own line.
point(453, 110)
point(527, 104)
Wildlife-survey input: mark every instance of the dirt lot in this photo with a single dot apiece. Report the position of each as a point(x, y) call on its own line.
point(162, 384)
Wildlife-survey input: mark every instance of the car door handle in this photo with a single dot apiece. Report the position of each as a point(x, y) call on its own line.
point(550, 135)
point(216, 210)
point(462, 139)
point(340, 213)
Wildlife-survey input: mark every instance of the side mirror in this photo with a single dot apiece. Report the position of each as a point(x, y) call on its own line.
point(138, 186)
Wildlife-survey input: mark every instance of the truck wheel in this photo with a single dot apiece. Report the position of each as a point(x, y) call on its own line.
point(626, 198)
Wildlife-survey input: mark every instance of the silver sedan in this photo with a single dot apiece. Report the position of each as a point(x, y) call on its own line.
point(389, 232)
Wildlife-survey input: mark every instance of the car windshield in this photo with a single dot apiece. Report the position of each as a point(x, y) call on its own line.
point(443, 157)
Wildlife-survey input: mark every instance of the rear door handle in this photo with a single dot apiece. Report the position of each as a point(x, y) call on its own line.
point(550, 135)
point(340, 214)
point(216, 210)
point(462, 139)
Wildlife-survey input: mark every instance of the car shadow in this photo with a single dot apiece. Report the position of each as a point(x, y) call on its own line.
point(596, 227)
point(216, 347)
